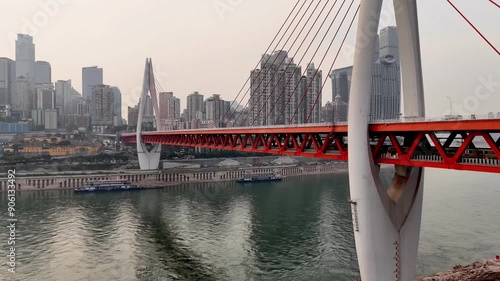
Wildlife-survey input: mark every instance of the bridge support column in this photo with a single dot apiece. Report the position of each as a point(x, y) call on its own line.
point(148, 156)
point(386, 221)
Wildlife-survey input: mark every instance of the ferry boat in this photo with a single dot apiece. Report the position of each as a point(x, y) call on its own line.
point(107, 185)
point(248, 178)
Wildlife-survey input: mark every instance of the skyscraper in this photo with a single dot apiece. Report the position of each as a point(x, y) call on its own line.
point(341, 83)
point(214, 108)
point(117, 106)
point(63, 96)
point(43, 73)
point(388, 40)
point(102, 108)
point(91, 76)
point(278, 88)
point(132, 114)
point(340, 110)
point(25, 58)
point(46, 98)
point(170, 106)
point(194, 107)
point(266, 103)
point(163, 103)
point(7, 76)
point(314, 95)
point(25, 66)
point(50, 116)
point(385, 99)
point(293, 89)
point(21, 98)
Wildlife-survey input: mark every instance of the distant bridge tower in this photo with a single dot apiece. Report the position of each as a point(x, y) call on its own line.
point(149, 156)
point(386, 221)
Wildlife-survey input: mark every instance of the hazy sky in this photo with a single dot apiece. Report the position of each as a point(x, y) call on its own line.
point(197, 47)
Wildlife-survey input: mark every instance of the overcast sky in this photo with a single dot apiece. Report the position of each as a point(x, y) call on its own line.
point(210, 46)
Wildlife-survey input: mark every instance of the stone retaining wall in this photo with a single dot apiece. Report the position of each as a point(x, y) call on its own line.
point(158, 178)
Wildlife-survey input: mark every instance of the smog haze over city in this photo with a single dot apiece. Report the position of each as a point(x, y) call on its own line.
point(211, 46)
point(249, 140)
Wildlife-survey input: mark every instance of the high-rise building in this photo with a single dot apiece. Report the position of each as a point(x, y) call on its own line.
point(388, 41)
point(385, 103)
point(266, 103)
point(82, 108)
point(340, 110)
point(46, 98)
point(91, 76)
point(50, 119)
point(25, 65)
point(63, 96)
point(278, 94)
point(102, 108)
point(170, 106)
point(43, 73)
point(133, 114)
point(38, 117)
point(341, 83)
point(314, 95)
point(25, 58)
point(327, 112)
point(385, 99)
point(293, 89)
point(214, 108)
point(7, 76)
point(117, 106)
point(195, 107)
point(21, 98)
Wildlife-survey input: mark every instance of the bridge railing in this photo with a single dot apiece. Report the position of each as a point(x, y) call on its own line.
point(403, 119)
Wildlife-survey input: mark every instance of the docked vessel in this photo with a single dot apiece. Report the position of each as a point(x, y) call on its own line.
point(248, 178)
point(108, 185)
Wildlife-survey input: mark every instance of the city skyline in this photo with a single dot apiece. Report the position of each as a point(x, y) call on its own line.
point(177, 74)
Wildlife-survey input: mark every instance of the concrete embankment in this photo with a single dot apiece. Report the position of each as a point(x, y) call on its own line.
point(160, 178)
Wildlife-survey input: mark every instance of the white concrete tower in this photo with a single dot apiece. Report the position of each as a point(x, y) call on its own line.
point(386, 220)
point(149, 157)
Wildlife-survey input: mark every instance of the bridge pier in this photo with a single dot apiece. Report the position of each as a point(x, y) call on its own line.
point(148, 157)
point(386, 222)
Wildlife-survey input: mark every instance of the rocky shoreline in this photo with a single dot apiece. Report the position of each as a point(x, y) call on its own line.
point(482, 270)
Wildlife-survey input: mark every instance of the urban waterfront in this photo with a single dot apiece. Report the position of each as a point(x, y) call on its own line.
point(299, 229)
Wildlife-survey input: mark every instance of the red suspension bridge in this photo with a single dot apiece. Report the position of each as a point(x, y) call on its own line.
point(472, 145)
point(386, 221)
point(446, 144)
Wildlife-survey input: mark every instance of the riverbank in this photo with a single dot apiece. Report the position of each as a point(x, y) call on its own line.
point(482, 270)
point(159, 178)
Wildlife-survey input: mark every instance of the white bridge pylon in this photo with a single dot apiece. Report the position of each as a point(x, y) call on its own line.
point(149, 158)
point(386, 221)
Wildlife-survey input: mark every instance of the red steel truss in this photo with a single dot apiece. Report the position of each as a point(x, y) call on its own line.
point(472, 145)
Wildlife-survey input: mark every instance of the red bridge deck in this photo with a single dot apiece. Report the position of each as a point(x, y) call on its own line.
point(460, 145)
